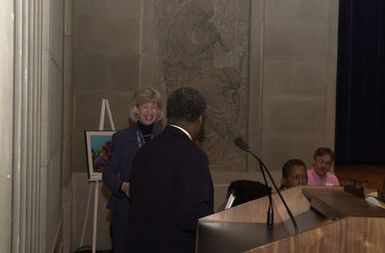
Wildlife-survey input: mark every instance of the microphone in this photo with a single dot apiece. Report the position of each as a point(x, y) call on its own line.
point(240, 143)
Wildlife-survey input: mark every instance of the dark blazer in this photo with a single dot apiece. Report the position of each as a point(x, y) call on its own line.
point(171, 188)
point(124, 148)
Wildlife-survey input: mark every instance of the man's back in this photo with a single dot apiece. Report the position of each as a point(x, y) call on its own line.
point(171, 188)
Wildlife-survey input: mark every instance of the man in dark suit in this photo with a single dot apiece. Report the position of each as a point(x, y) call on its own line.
point(170, 182)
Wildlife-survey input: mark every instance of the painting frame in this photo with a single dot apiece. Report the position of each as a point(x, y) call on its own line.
point(98, 147)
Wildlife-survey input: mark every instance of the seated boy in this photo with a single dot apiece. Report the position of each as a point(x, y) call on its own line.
point(293, 174)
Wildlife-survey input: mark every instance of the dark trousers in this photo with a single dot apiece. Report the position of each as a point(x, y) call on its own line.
point(119, 227)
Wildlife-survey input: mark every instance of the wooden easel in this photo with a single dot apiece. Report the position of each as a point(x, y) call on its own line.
point(105, 108)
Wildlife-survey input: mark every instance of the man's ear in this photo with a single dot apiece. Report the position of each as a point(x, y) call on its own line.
point(201, 119)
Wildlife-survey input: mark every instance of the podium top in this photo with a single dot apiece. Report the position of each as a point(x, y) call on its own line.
point(339, 204)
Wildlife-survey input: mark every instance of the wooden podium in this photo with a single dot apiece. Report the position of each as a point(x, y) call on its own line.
point(329, 220)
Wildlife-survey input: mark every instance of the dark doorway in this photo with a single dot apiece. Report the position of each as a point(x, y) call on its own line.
point(360, 105)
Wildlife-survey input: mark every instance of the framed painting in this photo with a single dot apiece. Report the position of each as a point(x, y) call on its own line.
point(99, 146)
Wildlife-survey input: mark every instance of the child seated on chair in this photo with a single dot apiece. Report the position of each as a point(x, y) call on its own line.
point(294, 173)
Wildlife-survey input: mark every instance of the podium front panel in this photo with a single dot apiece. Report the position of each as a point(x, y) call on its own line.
point(235, 237)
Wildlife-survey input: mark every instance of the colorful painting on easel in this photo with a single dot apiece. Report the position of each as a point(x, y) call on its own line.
point(99, 146)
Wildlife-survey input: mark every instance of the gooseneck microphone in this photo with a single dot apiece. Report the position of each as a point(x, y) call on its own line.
point(270, 211)
point(240, 143)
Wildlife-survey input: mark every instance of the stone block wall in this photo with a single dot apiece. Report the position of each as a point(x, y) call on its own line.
point(299, 79)
point(275, 60)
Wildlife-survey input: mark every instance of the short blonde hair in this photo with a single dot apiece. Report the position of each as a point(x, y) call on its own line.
point(143, 96)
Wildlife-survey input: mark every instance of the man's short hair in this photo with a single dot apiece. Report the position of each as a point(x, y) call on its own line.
point(323, 151)
point(185, 105)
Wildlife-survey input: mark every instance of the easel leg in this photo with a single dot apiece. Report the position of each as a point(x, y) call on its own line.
point(95, 223)
point(105, 106)
point(86, 217)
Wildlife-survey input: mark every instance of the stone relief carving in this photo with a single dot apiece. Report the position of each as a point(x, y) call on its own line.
point(204, 44)
point(191, 39)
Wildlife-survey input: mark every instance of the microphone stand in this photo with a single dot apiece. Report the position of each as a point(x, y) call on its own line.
point(242, 145)
point(270, 210)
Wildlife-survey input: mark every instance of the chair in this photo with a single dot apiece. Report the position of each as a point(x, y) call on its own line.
point(355, 187)
point(242, 191)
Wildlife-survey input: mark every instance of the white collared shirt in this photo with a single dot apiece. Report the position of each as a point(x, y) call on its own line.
point(184, 131)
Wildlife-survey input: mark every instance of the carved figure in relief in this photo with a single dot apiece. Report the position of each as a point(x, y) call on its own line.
point(220, 85)
point(191, 38)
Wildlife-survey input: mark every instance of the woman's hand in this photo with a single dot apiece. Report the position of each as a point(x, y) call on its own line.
point(126, 188)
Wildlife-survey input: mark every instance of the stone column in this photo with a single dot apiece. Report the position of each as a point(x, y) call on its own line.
point(6, 121)
point(37, 125)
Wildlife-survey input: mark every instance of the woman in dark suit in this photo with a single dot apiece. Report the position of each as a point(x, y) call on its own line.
point(146, 111)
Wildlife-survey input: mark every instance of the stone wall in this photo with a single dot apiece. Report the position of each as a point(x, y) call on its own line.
point(268, 69)
point(105, 64)
point(299, 79)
